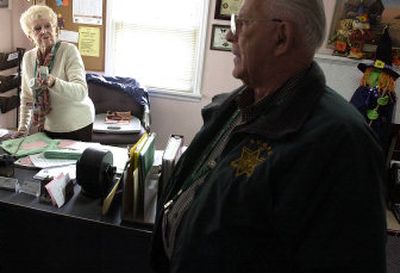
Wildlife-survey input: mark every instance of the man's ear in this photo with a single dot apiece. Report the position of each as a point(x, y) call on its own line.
point(284, 38)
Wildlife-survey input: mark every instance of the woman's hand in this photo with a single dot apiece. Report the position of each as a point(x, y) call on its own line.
point(18, 134)
point(49, 82)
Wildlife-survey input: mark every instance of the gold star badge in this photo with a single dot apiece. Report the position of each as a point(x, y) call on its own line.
point(247, 162)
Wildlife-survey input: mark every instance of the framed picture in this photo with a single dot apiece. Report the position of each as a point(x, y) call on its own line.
point(391, 17)
point(218, 38)
point(4, 3)
point(224, 8)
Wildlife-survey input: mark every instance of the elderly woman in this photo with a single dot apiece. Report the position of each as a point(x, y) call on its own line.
point(54, 95)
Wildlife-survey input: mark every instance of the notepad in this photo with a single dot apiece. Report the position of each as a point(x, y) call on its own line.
point(56, 189)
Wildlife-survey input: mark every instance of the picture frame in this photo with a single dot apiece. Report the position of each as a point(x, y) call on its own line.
point(224, 8)
point(218, 38)
point(391, 17)
point(4, 4)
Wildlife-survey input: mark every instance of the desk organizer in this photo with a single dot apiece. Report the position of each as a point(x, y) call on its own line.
point(10, 60)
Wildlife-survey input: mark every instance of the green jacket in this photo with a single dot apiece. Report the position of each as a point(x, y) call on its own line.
point(299, 189)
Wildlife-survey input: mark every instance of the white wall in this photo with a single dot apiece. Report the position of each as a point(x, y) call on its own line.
point(6, 119)
point(11, 37)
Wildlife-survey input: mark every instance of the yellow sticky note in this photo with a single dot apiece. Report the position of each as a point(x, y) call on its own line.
point(89, 41)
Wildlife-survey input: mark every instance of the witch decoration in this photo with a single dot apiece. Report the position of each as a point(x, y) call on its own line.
point(375, 98)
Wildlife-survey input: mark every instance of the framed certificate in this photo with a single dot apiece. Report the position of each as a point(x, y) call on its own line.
point(4, 3)
point(218, 38)
point(224, 8)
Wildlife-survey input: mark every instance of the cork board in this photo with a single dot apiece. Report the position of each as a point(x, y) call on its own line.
point(91, 63)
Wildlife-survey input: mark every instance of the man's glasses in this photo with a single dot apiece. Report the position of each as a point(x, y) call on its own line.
point(46, 27)
point(237, 22)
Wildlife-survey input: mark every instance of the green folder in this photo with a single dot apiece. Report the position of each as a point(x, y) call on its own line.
point(29, 145)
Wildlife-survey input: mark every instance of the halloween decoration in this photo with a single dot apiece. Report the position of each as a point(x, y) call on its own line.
point(375, 97)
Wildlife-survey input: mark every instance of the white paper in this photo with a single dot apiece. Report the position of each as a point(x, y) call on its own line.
point(69, 36)
point(120, 156)
point(12, 56)
point(38, 160)
point(56, 189)
point(56, 171)
point(81, 146)
point(87, 12)
point(4, 132)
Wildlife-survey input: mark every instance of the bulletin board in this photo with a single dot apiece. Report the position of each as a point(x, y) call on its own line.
point(91, 63)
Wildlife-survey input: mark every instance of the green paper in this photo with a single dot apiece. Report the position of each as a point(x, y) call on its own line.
point(29, 145)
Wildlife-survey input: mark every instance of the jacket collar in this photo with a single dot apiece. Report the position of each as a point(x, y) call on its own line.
point(282, 118)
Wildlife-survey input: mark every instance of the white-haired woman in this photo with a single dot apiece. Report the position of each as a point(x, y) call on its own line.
point(54, 94)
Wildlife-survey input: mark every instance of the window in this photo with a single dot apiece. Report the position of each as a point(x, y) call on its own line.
point(160, 43)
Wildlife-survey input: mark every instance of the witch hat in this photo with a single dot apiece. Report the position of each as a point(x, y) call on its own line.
point(383, 57)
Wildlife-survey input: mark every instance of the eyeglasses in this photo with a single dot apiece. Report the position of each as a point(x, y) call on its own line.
point(237, 22)
point(38, 28)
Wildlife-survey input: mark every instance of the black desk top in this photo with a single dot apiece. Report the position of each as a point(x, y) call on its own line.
point(79, 206)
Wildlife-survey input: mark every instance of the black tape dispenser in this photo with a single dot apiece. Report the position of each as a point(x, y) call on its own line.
point(94, 172)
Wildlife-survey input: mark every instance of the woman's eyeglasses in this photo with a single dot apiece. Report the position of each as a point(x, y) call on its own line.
point(46, 27)
point(237, 22)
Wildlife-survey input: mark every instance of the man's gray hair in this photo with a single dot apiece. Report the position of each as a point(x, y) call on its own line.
point(309, 15)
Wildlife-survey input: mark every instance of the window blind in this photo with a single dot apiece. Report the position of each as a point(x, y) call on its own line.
point(157, 42)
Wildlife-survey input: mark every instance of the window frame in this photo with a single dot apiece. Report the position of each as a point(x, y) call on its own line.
point(200, 57)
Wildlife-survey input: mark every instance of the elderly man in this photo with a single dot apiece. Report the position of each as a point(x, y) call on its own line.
point(284, 175)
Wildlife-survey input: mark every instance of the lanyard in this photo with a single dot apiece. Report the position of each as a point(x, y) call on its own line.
point(53, 54)
point(202, 168)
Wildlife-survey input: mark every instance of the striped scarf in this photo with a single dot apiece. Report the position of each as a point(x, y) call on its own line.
point(41, 96)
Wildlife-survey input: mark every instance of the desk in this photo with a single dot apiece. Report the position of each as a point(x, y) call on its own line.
point(36, 237)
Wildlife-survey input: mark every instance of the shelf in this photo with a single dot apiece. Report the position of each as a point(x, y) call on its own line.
point(10, 59)
point(9, 82)
point(8, 103)
point(326, 58)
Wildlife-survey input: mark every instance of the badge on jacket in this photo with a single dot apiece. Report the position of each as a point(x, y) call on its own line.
point(250, 158)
